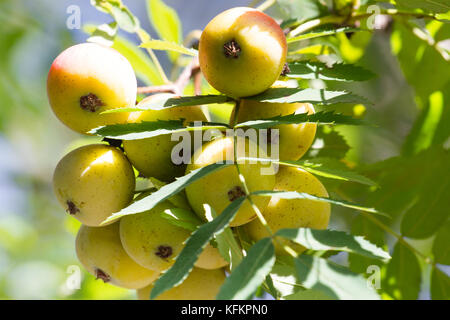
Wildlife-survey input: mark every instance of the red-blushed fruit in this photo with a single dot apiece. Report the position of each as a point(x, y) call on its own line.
point(242, 52)
point(87, 79)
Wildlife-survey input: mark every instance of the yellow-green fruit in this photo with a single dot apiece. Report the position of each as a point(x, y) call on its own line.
point(242, 52)
point(199, 285)
point(297, 213)
point(101, 253)
point(152, 157)
point(87, 79)
point(210, 259)
point(93, 182)
point(222, 187)
point(293, 139)
point(151, 240)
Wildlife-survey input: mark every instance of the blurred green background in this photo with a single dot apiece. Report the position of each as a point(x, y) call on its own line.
point(36, 236)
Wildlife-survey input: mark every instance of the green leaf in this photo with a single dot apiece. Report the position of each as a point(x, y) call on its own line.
point(337, 72)
point(415, 187)
point(228, 247)
point(250, 273)
point(324, 167)
point(149, 129)
point(124, 18)
point(164, 101)
point(321, 117)
point(283, 276)
point(315, 96)
point(142, 65)
point(441, 245)
point(322, 32)
point(302, 195)
point(104, 34)
point(422, 134)
point(440, 285)
point(165, 192)
point(330, 168)
point(168, 46)
point(302, 10)
point(182, 218)
point(193, 248)
point(328, 144)
point(435, 6)
point(310, 294)
point(427, 215)
point(403, 274)
point(363, 227)
point(333, 240)
point(166, 22)
point(333, 280)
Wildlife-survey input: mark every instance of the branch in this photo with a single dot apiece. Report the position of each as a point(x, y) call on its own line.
point(177, 87)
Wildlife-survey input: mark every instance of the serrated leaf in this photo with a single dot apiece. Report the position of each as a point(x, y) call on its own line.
point(168, 46)
point(250, 273)
point(302, 195)
point(314, 96)
point(310, 294)
point(416, 188)
point(321, 117)
point(333, 240)
point(124, 18)
point(193, 248)
point(324, 167)
point(403, 274)
point(328, 144)
point(333, 280)
point(330, 168)
point(165, 101)
point(320, 70)
point(104, 34)
point(149, 129)
point(283, 276)
point(166, 22)
point(228, 248)
point(322, 32)
point(182, 218)
point(142, 65)
point(302, 10)
point(441, 245)
point(166, 191)
point(435, 6)
point(440, 285)
point(363, 227)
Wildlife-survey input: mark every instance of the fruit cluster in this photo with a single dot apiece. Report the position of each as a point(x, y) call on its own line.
point(242, 52)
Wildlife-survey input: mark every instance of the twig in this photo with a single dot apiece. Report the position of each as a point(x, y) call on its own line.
point(178, 86)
